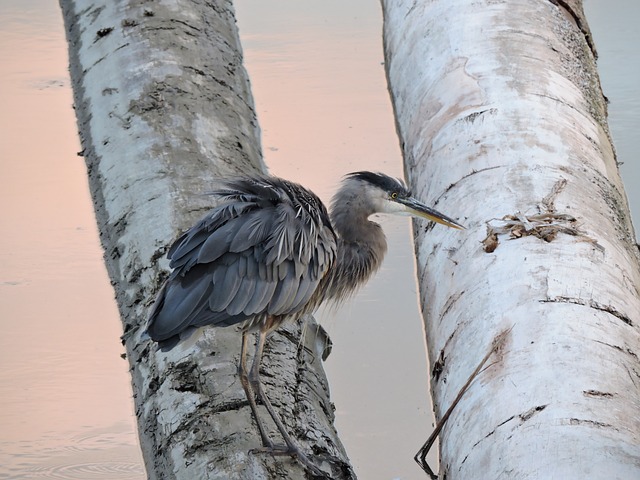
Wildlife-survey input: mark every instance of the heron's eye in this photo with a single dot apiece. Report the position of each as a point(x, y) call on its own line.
point(394, 195)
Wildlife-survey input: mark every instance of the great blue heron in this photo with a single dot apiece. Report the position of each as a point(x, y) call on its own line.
point(269, 253)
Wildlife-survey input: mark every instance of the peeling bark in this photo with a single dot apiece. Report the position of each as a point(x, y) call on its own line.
point(503, 125)
point(164, 109)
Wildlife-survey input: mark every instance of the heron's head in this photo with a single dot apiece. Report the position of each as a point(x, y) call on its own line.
point(376, 192)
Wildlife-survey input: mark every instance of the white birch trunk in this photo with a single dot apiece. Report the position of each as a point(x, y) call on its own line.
point(503, 125)
point(164, 108)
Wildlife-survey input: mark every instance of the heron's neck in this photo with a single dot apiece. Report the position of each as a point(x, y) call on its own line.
point(361, 248)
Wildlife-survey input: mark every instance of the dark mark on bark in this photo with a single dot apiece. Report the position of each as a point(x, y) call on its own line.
point(103, 32)
point(473, 172)
point(523, 418)
point(473, 116)
point(438, 366)
point(591, 423)
point(531, 412)
point(628, 351)
point(450, 302)
point(591, 304)
point(597, 393)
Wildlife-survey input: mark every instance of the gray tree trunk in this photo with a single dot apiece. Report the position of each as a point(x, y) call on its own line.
point(503, 123)
point(164, 109)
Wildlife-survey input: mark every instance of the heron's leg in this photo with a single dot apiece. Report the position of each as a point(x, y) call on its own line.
point(292, 448)
point(256, 385)
point(249, 392)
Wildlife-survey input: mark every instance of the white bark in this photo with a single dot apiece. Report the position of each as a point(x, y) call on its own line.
point(164, 108)
point(500, 113)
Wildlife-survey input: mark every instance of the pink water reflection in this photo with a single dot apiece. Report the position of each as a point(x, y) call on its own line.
point(65, 406)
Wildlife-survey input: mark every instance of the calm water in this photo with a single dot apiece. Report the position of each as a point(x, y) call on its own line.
point(318, 79)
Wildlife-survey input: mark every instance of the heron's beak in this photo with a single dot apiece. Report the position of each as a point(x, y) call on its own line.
point(414, 207)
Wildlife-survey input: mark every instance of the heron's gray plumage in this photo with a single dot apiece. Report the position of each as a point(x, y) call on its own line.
point(261, 252)
point(269, 252)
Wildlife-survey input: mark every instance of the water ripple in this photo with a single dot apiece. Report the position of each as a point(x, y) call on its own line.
point(84, 471)
point(92, 454)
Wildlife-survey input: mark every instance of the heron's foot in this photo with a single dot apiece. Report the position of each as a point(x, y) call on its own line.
point(267, 444)
point(293, 451)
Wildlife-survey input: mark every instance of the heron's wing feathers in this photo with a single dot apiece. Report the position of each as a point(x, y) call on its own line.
point(262, 251)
